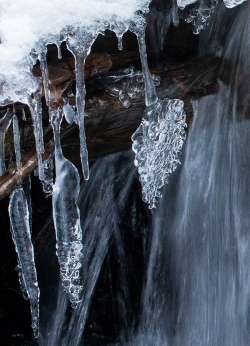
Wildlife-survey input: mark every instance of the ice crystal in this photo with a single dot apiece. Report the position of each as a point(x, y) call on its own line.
point(157, 143)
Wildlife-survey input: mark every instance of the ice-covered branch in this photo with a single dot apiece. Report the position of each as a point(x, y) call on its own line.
point(110, 125)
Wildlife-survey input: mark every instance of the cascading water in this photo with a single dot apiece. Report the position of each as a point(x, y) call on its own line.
point(104, 202)
point(197, 288)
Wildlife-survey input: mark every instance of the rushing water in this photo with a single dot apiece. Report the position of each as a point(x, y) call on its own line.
point(103, 199)
point(198, 279)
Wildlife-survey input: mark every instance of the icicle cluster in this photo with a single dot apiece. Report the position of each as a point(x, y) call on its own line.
point(21, 234)
point(42, 23)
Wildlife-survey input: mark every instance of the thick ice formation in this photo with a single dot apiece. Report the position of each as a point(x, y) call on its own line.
point(23, 24)
point(66, 217)
point(21, 234)
point(159, 139)
point(157, 144)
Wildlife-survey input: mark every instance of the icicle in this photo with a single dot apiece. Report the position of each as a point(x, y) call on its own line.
point(4, 125)
point(23, 114)
point(16, 133)
point(47, 180)
point(44, 172)
point(80, 105)
point(159, 139)
point(120, 42)
point(80, 45)
point(59, 50)
point(150, 90)
point(21, 234)
point(36, 114)
point(45, 76)
point(67, 218)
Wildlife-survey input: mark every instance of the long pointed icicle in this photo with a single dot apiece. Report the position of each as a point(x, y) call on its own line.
point(36, 114)
point(80, 46)
point(21, 234)
point(150, 90)
point(4, 125)
point(66, 217)
point(80, 105)
point(159, 139)
point(47, 181)
point(45, 76)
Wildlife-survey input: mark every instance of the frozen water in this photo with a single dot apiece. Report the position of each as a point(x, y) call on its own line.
point(21, 234)
point(157, 143)
point(128, 85)
point(159, 139)
point(200, 16)
point(67, 218)
point(5, 122)
point(23, 26)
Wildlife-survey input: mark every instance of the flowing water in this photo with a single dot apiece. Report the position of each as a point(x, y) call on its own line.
point(198, 280)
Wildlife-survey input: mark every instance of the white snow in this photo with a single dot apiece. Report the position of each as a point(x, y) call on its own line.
point(23, 23)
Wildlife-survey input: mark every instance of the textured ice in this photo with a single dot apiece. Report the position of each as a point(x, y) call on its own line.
point(159, 139)
point(128, 85)
point(157, 143)
point(200, 16)
point(25, 23)
point(66, 217)
point(21, 234)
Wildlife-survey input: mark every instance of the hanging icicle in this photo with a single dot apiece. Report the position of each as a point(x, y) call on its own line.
point(159, 139)
point(36, 114)
point(4, 125)
point(21, 234)
point(80, 44)
point(64, 200)
point(67, 218)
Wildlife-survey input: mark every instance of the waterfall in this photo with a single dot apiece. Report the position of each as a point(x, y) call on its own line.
point(102, 199)
point(198, 280)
